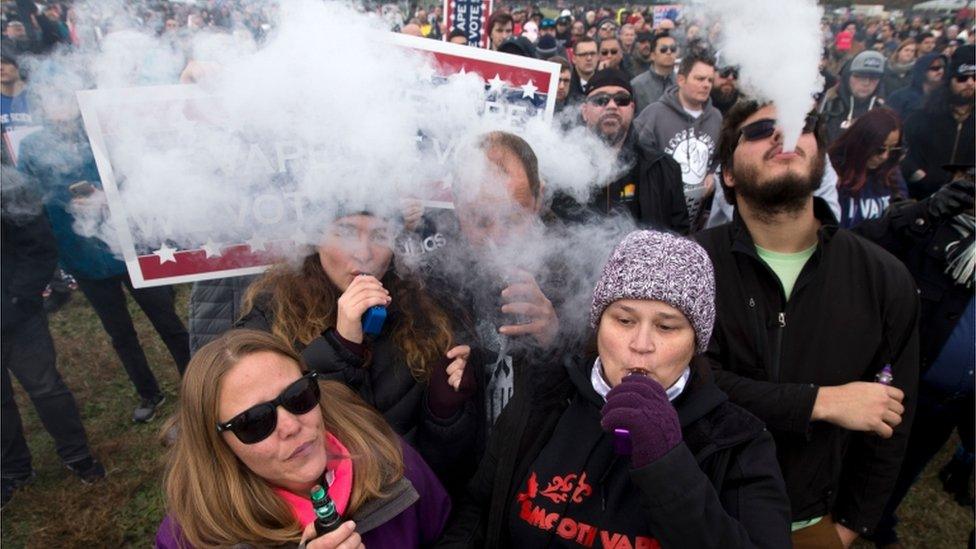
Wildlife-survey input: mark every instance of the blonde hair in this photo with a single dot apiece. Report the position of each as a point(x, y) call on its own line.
point(214, 498)
point(303, 305)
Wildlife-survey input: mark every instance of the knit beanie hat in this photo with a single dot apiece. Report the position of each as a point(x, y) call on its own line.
point(658, 266)
point(609, 77)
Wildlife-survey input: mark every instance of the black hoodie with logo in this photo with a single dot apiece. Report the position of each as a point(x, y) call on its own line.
point(551, 477)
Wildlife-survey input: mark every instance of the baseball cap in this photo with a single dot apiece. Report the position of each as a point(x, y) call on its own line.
point(868, 63)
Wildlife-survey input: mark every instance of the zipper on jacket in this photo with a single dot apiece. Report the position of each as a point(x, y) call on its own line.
point(955, 146)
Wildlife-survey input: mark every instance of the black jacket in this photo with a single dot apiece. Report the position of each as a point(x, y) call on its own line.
point(839, 108)
point(215, 305)
point(720, 487)
point(934, 138)
point(907, 231)
point(651, 192)
point(853, 309)
point(381, 377)
point(29, 254)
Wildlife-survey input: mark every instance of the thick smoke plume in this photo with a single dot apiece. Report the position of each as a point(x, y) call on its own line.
point(777, 44)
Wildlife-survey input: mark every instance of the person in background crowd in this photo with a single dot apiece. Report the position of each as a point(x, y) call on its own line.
point(564, 35)
point(606, 28)
point(628, 38)
point(899, 68)
point(651, 84)
point(685, 125)
point(640, 59)
point(844, 40)
point(888, 40)
point(577, 31)
point(665, 26)
point(585, 58)
point(547, 47)
point(458, 37)
point(530, 31)
point(547, 28)
point(927, 76)
point(725, 89)
point(857, 92)
point(651, 193)
point(59, 158)
point(839, 439)
point(934, 238)
point(417, 374)
point(16, 40)
point(258, 431)
point(29, 256)
point(866, 158)
point(565, 80)
point(699, 471)
point(611, 54)
point(500, 28)
point(925, 43)
point(942, 131)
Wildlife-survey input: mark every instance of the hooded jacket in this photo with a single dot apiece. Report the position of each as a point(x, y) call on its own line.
point(650, 192)
point(551, 477)
point(935, 138)
point(852, 311)
point(666, 126)
point(897, 76)
point(378, 373)
point(908, 99)
point(28, 254)
point(839, 108)
point(649, 86)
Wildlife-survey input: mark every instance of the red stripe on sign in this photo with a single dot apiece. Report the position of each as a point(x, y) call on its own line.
point(192, 262)
point(517, 76)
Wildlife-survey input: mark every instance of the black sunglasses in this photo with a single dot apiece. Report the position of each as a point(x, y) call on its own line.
point(603, 99)
point(936, 68)
point(609, 52)
point(726, 73)
point(667, 49)
point(892, 151)
point(763, 129)
point(963, 78)
point(259, 421)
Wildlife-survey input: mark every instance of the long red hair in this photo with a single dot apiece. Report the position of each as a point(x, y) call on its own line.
point(850, 153)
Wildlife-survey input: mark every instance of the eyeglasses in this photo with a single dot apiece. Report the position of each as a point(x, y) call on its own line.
point(763, 129)
point(937, 68)
point(258, 422)
point(603, 99)
point(963, 78)
point(667, 49)
point(609, 52)
point(892, 151)
point(729, 73)
point(586, 54)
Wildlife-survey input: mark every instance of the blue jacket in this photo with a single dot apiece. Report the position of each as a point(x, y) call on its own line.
point(56, 161)
point(909, 99)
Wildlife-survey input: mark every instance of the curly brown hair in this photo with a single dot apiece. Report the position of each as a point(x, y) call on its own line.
point(303, 304)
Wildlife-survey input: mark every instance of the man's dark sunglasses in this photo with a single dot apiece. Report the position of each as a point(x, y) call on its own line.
point(763, 129)
point(667, 49)
point(259, 421)
point(937, 68)
point(963, 78)
point(603, 99)
point(729, 72)
point(609, 52)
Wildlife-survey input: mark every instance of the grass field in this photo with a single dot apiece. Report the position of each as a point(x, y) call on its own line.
point(124, 510)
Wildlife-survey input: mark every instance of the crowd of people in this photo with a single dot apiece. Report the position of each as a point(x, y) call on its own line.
point(771, 358)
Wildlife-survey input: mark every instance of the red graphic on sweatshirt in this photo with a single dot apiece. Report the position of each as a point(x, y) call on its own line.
point(574, 488)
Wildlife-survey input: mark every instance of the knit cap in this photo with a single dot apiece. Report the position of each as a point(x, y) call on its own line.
point(658, 266)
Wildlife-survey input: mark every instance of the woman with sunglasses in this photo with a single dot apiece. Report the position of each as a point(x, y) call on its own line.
point(413, 371)
point(258, 432)
point(866, 159)
point(633, 444)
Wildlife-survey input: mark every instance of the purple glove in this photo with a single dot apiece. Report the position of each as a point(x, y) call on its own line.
point(640, 405)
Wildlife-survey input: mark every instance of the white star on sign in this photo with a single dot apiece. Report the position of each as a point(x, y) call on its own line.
point(528, 90)
point(211, 248)
point(257, 243)
point(165, 254)
point(496, 83)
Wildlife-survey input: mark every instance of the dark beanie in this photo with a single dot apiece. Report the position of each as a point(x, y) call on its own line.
point(609, 77)
point(546, 47)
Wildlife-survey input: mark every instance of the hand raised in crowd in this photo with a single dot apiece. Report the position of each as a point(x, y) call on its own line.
point(640, 405)
point(861, 406)
point(364, 291)
point(343, 537)
point(452, 385)
point(524, 298)
point(952, 199)
point(412, 211)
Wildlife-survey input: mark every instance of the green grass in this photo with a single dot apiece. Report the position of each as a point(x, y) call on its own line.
point(124, 510)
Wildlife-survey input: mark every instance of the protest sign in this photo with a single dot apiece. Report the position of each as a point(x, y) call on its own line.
point(669, 11)
point(171, 120)
point(469, 17)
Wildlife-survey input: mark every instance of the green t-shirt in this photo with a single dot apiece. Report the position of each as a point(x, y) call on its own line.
point(786, 266)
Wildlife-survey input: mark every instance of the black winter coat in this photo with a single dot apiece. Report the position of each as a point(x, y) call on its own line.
point(29, 255)
point(920, 243)
point(720, 487)
point(651, 192)
point(935, 138)
point(852, 311)
point(215, 305)
point(381, 377)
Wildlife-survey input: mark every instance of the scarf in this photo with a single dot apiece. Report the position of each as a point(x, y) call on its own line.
point(961, 254)
point(338, 476)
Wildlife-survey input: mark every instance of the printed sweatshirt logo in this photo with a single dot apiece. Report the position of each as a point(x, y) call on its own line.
point(571, 488)
point(693, 151)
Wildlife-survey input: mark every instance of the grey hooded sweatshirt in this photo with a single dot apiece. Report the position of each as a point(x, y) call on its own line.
point(667, 126)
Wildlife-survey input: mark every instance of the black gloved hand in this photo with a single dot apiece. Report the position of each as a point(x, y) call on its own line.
point(952, 199)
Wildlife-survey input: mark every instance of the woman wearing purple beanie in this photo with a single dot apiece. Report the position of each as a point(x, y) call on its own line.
point(632, 445)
